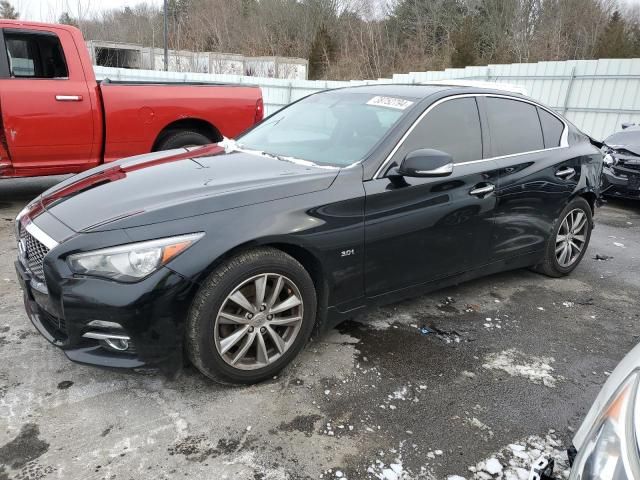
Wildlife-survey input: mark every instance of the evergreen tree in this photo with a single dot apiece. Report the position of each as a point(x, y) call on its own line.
point(66, 19)
point(321, 54)
point(7, 10)
point(465, 43)
point(614, 41)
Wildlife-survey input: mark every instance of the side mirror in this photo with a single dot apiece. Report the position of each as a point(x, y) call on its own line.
point(426, 163)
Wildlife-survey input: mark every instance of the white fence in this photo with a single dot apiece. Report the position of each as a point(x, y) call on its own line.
point(596, 95)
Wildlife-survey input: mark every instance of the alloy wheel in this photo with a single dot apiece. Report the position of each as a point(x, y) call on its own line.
point(258, 321)
point(571, 238)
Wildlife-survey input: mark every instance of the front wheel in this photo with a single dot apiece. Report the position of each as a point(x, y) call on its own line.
point(252, 316)
point(568, 243)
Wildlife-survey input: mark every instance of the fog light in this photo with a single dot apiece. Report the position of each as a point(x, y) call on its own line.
point(111, 340)
point(117, 344)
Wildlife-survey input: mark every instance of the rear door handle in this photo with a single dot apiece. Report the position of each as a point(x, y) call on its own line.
point(566, 173)
point(69, 98)
point(484, 190)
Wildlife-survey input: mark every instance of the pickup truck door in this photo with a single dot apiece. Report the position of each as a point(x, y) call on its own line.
point(47, 113)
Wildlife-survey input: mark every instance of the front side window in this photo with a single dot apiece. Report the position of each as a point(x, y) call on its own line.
point(452, 127)
point(336, 128)
point(35, 55)
point(515, 126)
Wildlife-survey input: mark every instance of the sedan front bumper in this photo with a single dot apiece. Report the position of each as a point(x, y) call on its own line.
point(80, 313)
point(620, 181)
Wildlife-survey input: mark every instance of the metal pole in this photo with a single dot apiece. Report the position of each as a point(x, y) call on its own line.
point(166, 37)
point(567, 97)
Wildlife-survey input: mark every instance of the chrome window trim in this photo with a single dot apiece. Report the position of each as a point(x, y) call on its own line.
point(42, 237)
point(564, 140)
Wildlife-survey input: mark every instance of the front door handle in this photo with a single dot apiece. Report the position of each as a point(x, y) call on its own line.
point(480, 191)
point(69, 98)
point(566, 173)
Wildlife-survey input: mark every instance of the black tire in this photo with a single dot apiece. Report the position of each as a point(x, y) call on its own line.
point(182, 138)
point(200, 327)
point(550, 266)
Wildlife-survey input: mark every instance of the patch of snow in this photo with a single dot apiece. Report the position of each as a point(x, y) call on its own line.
point(399, 394)
point(618, 244)
point(517, 364)
point(514, 462)
point(474, 422)
point(493, 466)
point(394, 470)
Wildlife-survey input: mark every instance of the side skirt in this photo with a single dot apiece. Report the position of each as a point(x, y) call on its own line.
point(337, 315)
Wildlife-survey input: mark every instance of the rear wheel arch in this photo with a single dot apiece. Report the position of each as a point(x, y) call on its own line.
point(195, 125)
point(591, 198)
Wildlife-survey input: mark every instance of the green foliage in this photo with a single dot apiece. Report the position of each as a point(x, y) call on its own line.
point(7, 11)
point(617, 41)
point(321, 54)
point(465, 44)
point(346, 39)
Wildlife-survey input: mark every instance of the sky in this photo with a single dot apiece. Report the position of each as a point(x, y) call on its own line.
point(50, 10)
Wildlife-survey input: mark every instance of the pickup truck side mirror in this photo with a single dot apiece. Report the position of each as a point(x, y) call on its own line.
point(426, 163)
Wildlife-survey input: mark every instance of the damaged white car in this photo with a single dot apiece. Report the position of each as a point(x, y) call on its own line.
point(607, 445)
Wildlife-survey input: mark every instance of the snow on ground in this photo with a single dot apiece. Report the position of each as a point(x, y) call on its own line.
point(514, 461)
point(518, 364)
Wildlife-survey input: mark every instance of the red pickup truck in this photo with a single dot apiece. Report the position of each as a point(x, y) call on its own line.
point(56, 118)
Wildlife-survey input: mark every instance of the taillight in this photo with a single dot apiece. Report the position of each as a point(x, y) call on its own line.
point(259, 110)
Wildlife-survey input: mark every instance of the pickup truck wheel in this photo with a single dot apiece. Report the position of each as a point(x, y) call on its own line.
point(181, 139)
point(251, 317)
point(569, 241)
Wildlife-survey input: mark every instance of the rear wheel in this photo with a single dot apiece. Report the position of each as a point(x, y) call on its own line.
point(251, 317)
point(182, 139)
point(568, 243)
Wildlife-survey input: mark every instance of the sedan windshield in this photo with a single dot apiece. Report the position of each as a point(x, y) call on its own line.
point(331, 128)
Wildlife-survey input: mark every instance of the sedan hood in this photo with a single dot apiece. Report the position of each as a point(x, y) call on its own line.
point(181, 183)
point(627, 150)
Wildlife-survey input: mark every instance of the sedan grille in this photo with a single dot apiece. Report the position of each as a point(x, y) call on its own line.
point(35, 252)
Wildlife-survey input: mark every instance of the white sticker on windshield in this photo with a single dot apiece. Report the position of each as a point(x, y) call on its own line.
point(390, 102)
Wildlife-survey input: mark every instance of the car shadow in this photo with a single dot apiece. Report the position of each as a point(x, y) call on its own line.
point(25, 189)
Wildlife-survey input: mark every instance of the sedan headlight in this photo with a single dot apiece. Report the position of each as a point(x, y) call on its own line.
point(131, 262)
point(609, 160)
point(611, 448)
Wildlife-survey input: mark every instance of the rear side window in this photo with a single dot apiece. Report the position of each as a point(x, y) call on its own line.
point(35, 55)
point(552, 128)
point(452, 127)
point(515, 126)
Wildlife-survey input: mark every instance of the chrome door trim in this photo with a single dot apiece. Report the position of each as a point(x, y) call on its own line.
point(69, 98)
point(444, 169)
point(566, 173)
point(483, 190)
point(564, 140)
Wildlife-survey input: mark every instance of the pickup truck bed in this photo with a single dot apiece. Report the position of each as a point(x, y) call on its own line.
point(56, 118)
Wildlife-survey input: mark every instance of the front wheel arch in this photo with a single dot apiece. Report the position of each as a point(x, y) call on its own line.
point(303, 254)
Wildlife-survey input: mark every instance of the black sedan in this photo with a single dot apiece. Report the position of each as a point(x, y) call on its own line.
point(231, 255)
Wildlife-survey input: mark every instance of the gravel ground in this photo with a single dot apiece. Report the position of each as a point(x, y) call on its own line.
point(475, 381)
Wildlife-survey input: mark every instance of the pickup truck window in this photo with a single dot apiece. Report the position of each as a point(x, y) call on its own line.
point(35, 55)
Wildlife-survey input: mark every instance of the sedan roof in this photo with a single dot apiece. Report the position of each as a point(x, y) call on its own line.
point(421, 91)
